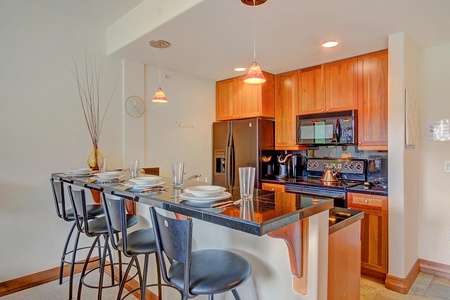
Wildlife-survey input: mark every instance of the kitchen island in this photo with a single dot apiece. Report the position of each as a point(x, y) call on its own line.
point(300, 220)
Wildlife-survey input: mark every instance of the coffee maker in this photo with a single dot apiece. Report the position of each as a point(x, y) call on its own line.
point(297, 162)
point(284, 166)
point(268, 165)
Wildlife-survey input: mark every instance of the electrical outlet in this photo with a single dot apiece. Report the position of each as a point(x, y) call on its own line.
point(447, 235)
point(447, 166)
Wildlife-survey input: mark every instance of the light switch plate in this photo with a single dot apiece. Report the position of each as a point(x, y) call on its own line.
point(447, 166)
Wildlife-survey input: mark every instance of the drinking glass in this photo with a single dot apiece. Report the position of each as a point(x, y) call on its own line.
point(177, 174)
point(246, 211)
point(102, 165)
point(134, 168)
point(246, 182)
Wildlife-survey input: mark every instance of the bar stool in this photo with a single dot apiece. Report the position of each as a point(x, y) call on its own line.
point(202, 272)
point(95, 228)
point(93, 211)
point(133, 244)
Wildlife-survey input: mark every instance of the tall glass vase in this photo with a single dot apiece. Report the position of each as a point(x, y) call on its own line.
point(94, 158)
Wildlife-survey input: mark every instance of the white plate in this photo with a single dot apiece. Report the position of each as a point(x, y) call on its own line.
point(205, 190)
point(109, 175)
point(145, 180)
point(106, 180)
point(192, 198)
point(142, 186)
point(82, 171)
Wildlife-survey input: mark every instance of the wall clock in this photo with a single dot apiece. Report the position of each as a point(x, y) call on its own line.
point(134, 106)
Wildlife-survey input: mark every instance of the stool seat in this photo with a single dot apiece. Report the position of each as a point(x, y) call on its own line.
point(212, 271)
point(98, 226)
point(93, 210)
point(141, 241)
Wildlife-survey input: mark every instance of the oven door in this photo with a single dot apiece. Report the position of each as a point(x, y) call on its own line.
point(339, 196)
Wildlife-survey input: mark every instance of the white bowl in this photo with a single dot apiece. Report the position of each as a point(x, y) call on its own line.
point(109, 175)
point(205, 190)
point(143, 180)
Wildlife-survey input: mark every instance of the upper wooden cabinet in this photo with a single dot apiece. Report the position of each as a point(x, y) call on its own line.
point(286, 108)
point(373, 101)
point(342, 85)
point(236, 99)
point(311, 85)
point(329, 87)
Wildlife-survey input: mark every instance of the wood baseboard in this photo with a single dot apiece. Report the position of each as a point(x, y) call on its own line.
point(32, 280)
point(434, 268)
point(402, 285)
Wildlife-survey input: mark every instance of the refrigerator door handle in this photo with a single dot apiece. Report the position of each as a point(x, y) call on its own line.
point(229, 159)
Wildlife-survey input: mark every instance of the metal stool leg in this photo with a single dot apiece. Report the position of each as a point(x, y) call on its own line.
point(83, 272)
point(72, 264)
point(63, 256)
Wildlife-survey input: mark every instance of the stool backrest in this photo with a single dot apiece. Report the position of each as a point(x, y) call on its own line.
point(116, 217)
point(174, 241)
point(58, 198)
point(78, 200)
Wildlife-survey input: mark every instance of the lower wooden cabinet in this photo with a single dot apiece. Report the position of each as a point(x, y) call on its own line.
point(374, 233)
point(274, 187)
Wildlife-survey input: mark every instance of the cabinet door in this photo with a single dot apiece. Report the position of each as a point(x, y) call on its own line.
point(373, 101)
point(248, 100)
point(342, 85)
point(374, 232)
point(374, 243)
point(225, 94)
point(311, 85)
point(273, 187)
point(286, 99)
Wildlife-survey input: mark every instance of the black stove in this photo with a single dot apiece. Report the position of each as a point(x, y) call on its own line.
point(350, 173)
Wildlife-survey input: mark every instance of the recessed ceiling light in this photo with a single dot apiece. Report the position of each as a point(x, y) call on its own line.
point(240, 69)
point(330, 44)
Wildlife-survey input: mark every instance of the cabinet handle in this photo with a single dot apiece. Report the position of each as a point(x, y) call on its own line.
point(366, 201)
point(323, 110)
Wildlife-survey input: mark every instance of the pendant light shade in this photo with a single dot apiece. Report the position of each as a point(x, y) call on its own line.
point(254, 74)
point(159, 97)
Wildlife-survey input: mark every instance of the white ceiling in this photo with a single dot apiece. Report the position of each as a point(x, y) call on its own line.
point(215, 36)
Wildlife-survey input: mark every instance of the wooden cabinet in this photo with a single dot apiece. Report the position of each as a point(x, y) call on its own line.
point(341, 85)
point(286, 102)
point(236, 99)
point(373, 101)
point(329, 87)
point(311, 84)
point(274, 187)
point(374, 233)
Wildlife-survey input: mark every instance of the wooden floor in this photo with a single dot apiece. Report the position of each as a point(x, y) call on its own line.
point(425, 287)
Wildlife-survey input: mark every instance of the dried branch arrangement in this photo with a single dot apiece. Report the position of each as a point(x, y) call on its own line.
point(88, 82)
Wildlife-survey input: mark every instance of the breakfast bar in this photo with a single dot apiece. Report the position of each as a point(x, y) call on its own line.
point(294, 218)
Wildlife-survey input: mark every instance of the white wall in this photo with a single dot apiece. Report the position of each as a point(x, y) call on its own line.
point(42, 127)
point(434, 194)
point(403, 163)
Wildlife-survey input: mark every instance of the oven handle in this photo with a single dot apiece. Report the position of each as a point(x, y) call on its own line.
point(316, 194)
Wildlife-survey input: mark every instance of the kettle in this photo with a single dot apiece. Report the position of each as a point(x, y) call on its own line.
point(329, 175)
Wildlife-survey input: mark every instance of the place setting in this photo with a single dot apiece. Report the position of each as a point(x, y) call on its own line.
point(145, 184)
point(204, 196)
point(82, 172)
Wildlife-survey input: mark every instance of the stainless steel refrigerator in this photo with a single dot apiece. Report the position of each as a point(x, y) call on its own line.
point(240, 144)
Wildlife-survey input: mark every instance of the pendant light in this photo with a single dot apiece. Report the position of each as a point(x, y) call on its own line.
point(159, 97)
point(254, 74)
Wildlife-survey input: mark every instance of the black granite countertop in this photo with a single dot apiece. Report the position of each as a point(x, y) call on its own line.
point(270, 210)
point(342, 217)
point(374, 190)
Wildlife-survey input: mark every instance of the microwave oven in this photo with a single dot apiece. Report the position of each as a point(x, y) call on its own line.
point(333, 128)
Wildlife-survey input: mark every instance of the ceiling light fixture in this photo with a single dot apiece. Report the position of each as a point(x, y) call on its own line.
point(240, 69)
point(159, 97)
point(254, 74)
point(330, 44)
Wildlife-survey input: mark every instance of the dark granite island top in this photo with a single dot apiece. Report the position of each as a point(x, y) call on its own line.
point(271, 210)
